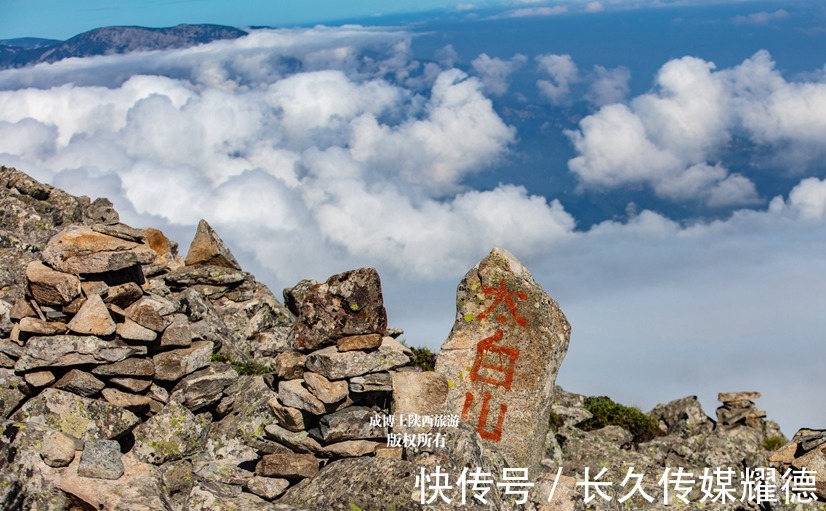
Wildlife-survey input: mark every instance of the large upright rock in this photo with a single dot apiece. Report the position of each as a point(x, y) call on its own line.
point(502, 356)
point(208, 248)
point(349, 303)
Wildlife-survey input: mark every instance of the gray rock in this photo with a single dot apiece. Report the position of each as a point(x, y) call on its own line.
point(292, 393)
point(175, 364)
point(100, 460)
point(208, 248)
point(11, 392)
point(207, 496)
point(210, 275)
point(79, 250)
point(268, 488)
point(69, 350)
point(346, 304)
point(77, 416)
point(134, 367)
point(57, 449)
point(101, 211)
point(205, 387)
point(290, 466)
point(172, 434)
point(134, 385)
point(335, 365)
point(226, 471)
point(730, 397)
point(93, 319)
point(241, 430)
point(328, 392)
point(80, 383)
point(502, 356)
point(683, 416)
point(297, 441)
point(373, 382)
point(293, 296)
point(351, 448)
point(351, 423)
point(50, 287)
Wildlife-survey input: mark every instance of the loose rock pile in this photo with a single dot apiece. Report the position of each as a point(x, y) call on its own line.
point(738, 408)
point(807, 449)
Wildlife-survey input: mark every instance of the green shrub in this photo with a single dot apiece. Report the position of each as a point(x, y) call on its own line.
point(608, 413)
point(423, 358)
point(251, 368)
point(774, 442)
point(555, 421)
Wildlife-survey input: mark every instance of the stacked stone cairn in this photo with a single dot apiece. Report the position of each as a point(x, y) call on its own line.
point(806, 450)
point(739, 409)
point(184, 383)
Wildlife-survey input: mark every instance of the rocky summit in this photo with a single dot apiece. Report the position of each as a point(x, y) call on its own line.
point(134, 378)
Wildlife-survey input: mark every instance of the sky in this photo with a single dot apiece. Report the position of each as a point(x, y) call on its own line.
point(658, 166)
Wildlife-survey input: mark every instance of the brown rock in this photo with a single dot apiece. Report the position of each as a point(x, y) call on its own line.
point(293, 296)
point(175, 364)
point(134, 385)
point(289, 418)
point(132, 402)
point(502, 357)
point(37, 326)
point(784, 454)
point(123, 295)
point(80, 383)
point(346, 304)
point(208, 248)
point(289, 365)
point(292, 393)
point(298, 441)
point(177, 334)
point(93, 319)
point(57, 449)
point(132, 331)
point(352, 448)
point(419, 394)
point(78, 250)
point(268, 488)
point(287, 466)
point(21, 309)
point(383, 451)
point(359, 342)
point(50, 287)
point(204, 387)
point(94, 287)
point(145, 313)
point(39, 378)
point(326, 391)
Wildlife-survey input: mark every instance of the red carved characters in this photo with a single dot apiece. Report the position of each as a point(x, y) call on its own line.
point(494, 363)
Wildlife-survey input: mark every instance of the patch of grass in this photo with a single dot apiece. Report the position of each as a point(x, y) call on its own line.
point(773, 442)
point(423, 358)
point(608, 413)
point(555, 421)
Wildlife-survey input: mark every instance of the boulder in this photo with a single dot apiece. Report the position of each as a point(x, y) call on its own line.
point(346, 304)
point(208, 248)
point(294, 394)
point(172, 434)
point(50, 287)
point(80, 383)
point(414, 393)
point(79, 250)
point(57, 449)
point(328, 392)
point(204, 387)
point(77, 416)
point(502, 356)
point(683, 416)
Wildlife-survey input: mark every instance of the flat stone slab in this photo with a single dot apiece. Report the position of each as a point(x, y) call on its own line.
point(336, 365)
point(70, 350)
point(502, 357)
point(175, 364)
point(729, 397)
point(288, 466)
point(79, 249)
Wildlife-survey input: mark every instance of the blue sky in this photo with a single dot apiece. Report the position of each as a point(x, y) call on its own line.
point(659, 170)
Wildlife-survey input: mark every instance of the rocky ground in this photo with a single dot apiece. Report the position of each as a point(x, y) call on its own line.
point(134, 378)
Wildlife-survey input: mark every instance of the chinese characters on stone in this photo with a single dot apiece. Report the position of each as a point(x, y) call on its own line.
point(494, 364)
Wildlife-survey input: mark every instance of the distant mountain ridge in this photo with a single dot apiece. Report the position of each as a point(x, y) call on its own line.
point(27, 51)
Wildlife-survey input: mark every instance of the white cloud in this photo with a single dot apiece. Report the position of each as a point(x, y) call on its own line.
point(494, 72)
point(760, 18)
point(529, 12)
point(608, 85)
point(594, 7)
point(672, 138)
point(562, 70)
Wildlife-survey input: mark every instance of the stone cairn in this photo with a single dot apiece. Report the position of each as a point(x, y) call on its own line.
point(739, 409)
point(126, 352)
point(807, 449)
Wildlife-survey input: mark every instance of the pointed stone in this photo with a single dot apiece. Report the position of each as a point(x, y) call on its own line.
point(502, 357)
point(50, 287)
point(208, 248)
point(93, 319)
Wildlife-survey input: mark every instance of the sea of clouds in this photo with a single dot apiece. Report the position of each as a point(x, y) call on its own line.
point(313, 151)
